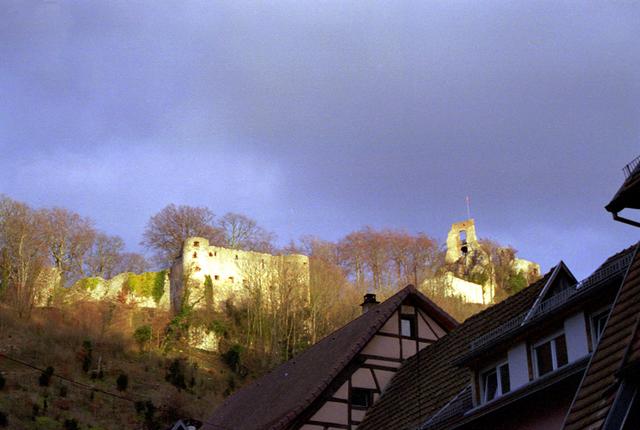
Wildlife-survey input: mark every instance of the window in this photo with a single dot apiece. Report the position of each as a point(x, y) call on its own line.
point(195, 255)
point(361, 398)
point(216, 277)
point(598, 321)
point(550, 354)
point(231, 278)
point(408, 326)
point(210, 254)
point(236, 256)
point(495, 382)
point(196, 243)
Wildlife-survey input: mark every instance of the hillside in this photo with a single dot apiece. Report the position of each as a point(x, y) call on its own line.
point(88, 354)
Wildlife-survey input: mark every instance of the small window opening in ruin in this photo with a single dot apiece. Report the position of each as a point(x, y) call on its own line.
point(231, 278)
point(210, 254)
point(196, 243)
point(198, 268)
point(215, 253)
point(195, 255)
point(216, 277)
point(463, 236)
point(236, 256)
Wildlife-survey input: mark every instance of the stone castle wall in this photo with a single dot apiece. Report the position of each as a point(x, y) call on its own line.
point(230, 270)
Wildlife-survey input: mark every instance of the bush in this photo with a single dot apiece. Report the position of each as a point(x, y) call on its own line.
point(147, 410)
point(46, 423)
point(233, 357)
point(175, 374)
point(142, 336)
point(88, 284)
point(45, 377)
point(71, 425)
point(148, 284)
point(85, 355)
point(122, 382)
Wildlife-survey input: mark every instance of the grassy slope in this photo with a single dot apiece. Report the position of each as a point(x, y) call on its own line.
point(54, 337)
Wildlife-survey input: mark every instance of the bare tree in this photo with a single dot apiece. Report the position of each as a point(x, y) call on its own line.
point(23, 254)
point(132, 262)
point(69, 238)
point(105, 256)
point(166, 231)
point(242, 232)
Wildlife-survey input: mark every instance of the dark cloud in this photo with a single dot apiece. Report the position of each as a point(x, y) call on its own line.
point(319, 118)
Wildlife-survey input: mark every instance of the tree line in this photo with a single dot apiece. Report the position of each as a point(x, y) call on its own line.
point(279, 315)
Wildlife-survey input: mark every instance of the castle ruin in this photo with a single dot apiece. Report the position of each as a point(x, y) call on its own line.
point(228, 272)
point(467, 261)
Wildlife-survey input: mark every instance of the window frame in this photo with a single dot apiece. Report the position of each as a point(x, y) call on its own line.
point(595, 336)
point(551, 339)
point(494, 368)
point(413, 326)
point(368, 392)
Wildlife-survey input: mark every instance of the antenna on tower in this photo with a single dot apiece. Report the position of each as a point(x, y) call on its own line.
point(467, 200)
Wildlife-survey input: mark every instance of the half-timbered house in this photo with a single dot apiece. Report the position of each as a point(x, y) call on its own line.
point(333, 383)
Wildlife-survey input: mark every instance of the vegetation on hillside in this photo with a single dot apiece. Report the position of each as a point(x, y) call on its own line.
point(91, 359)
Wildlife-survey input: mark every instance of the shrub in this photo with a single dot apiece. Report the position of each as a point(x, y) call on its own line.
point(71, 424)
point(85, 355)
point(147, 410)
point(233, 357)
point(142, 336)
point(46, 423)
point(88, 284)
point(175, 374)
point(45, 377)
point(208, 291)
point(158, 285)
point(122, 382)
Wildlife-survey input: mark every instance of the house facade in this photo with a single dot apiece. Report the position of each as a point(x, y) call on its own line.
point(333, 383)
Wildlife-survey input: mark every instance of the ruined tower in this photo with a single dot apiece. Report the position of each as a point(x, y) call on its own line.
point(461, 240)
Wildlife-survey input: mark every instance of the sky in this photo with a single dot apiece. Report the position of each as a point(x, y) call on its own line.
point(321, 117)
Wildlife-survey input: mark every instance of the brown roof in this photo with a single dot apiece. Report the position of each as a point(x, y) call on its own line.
point(628, 196)
point(429, 380)
point(275, 400)
point(616, 348)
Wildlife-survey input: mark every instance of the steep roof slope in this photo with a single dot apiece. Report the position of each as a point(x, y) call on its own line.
point(276, 399)
point(627, 195)
point(429, 380)
point(617, 347)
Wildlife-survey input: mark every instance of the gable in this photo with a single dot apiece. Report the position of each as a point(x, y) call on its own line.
point(296, 390)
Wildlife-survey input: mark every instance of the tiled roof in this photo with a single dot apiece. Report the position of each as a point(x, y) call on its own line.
point(627, 195)
point(429, 380)
point(616, 348)
point(275, 400)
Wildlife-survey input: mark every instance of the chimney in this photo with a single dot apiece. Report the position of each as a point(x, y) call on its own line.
point(369, 302)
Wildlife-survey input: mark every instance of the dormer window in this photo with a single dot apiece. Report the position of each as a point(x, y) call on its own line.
point(408, 326)
point(550, 354)
point(494, 382)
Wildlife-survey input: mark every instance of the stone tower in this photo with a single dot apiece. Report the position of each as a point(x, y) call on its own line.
point(461, 240)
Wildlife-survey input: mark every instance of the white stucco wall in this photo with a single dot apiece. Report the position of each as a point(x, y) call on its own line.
point(575, 331)
point(518, 366)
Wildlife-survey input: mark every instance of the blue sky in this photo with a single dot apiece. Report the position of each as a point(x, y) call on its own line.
point(322, 117)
